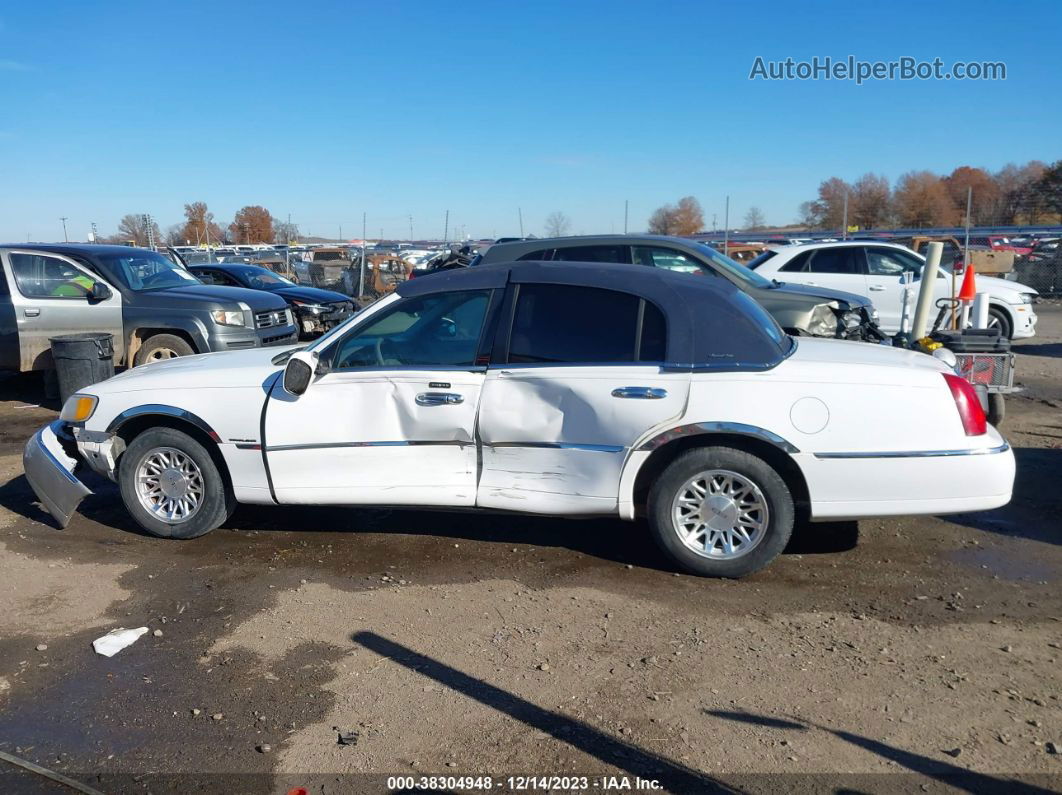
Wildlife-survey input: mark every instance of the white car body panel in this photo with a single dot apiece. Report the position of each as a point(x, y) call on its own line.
point(550, 431)
point(359, 437)
point(886, 292)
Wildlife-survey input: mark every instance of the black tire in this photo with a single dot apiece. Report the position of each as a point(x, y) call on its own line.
point(1001, 320)
point(997, 408)
point(779, 503)
point(217, 502)
point(162, 346)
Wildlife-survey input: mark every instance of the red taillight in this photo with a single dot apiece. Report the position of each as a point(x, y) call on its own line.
point(968, 405)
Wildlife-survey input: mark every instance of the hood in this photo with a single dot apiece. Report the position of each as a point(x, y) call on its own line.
point(997, 286)
point(258, 300)
point(214, 370)
point(802, 292)
point(819, 350)
point(310, 295)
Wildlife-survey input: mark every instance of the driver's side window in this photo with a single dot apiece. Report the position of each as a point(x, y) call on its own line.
point(891, 262)
point(437, 330)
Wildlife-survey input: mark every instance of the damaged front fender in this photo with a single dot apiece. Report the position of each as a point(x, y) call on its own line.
point(50, 472)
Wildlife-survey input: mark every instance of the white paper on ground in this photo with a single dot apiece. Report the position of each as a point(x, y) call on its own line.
point(116, 640)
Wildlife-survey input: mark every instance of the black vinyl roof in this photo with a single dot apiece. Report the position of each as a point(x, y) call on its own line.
point(710, 323)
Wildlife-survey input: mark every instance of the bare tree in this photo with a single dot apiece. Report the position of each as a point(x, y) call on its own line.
point(175, 235)
point(829, 208)
point(869, 203)
point(684, 218)
point(662, 221)
point(806, 215)
point(557, 224)
point(132, 228)
point(284, 232)
point(755, 219)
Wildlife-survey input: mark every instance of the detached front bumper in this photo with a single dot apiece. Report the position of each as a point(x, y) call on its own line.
point(50, 471)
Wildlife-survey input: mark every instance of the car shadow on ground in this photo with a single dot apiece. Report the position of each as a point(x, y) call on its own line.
point(630, 758)
point(949, 774)
point(605, 538)
point(1035, 484)
point(1052, 350)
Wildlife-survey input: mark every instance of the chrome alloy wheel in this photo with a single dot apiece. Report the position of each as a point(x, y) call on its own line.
point(169, 485)
point(161, 355)
point(720, 514)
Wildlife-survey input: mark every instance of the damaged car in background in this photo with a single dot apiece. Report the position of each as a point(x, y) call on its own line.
point(546, 388)
point(799, 309)
point(315, 310)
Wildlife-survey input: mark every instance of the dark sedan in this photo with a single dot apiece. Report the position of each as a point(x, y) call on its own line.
point(315, 310)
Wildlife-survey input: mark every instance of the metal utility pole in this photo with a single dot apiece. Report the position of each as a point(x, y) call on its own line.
point(446, 227)
point(844, 226)
point(65, 238)
point(626, 208)
point(364, 254)
point(713, 222)
point(726, 228)
point(965, 255)
point(341, 233)
point(95, 234)
point(411, 229)
point(520, 213)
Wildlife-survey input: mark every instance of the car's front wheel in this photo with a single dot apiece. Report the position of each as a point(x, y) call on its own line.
point(720, 512)
point(997, 318)
point(171, 485)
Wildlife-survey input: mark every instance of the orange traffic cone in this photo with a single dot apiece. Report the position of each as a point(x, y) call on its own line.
point(968, 291)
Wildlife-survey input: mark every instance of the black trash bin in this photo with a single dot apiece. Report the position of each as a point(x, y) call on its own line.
point(82, 359)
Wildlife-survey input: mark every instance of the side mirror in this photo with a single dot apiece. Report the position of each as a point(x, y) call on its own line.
point(299, 372)
point(99, 292)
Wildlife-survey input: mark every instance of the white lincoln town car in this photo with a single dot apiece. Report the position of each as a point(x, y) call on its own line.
point(549, 388)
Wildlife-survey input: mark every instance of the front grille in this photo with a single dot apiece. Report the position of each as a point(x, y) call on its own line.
point(271, 319)
point(282, 338)
point(990, 369)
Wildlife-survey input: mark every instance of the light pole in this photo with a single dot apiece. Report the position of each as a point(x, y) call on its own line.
point(65, 238)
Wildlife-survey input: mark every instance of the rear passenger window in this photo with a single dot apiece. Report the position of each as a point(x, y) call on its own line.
point(834, 260)
point(541, 254)
point(796, 264)
point(561, 324)
point(591, 254)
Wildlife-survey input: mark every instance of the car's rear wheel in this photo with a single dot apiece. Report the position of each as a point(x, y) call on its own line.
point(162, 347)
point(720, 512)
point(171, 485)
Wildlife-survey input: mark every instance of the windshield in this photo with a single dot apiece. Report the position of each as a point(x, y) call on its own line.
point(260, 278)
point(145, 270)
point(731, 268)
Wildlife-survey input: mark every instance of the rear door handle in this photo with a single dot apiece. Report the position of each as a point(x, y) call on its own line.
point(877, 288)
point(639, 392)
point(439, 399)
point(31, 312)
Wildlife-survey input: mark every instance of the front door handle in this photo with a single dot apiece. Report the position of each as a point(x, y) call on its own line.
point(31, 312)
point(639, 392)
point(877, 288)
point(439, 399)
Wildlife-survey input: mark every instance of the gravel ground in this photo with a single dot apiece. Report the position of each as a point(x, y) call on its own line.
point(901, 655)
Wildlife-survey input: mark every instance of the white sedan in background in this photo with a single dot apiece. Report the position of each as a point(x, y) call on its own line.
point(549, 388)
point(875, 269)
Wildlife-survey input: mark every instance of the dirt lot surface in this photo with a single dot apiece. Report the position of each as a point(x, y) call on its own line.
point(908, 655)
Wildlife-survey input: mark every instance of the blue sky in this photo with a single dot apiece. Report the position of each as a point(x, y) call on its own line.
point(328, 109)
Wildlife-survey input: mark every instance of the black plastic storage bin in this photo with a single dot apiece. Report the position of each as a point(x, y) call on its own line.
point(973, 340)
point(82, 359)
